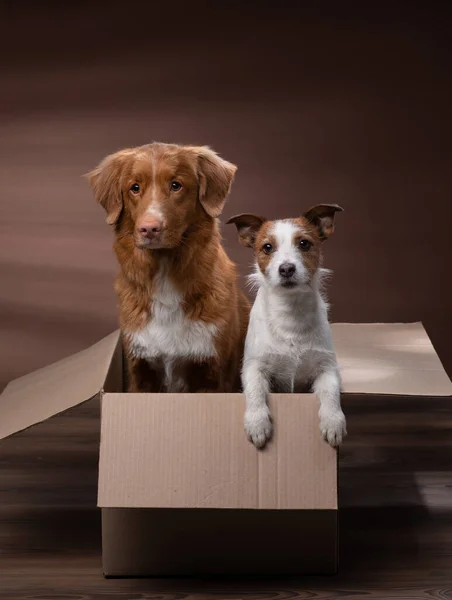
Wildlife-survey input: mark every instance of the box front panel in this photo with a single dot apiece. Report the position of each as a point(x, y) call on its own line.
point(190, 451)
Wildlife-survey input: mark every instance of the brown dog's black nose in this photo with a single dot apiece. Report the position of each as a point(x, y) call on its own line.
point(287, 270)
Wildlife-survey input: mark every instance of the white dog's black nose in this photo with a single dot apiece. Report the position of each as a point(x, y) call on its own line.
point(287, 270)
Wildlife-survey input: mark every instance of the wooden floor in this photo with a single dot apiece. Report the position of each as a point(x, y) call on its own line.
point(395, 517)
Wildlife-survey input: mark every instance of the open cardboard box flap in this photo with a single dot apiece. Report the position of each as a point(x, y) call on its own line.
point(377, 358)
point(46, 392)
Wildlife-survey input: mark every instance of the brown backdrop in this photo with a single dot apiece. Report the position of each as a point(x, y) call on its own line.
point(318, 104)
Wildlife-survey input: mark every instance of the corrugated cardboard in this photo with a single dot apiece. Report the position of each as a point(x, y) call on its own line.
point(182, 491)
point(62, 385)
point(216, 466)
point(394, 359)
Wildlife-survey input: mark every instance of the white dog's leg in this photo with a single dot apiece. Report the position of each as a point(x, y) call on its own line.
point(327, 386)
point(258, 425)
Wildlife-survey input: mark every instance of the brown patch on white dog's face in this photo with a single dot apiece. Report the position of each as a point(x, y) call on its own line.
point(306, 240)
point(156, 193)
point(265, 245)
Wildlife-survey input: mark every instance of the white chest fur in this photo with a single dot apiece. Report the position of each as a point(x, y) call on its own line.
point(169, 334)
point(290, 337)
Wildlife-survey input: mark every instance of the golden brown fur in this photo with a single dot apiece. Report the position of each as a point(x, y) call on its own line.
point(188, 252)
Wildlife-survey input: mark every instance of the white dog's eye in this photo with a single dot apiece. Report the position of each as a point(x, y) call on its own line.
point(267, 248)
point(305, 244)
point(135, 188)
point(176, 186)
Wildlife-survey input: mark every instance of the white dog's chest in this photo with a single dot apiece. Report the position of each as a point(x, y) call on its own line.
point(286, 349)
point(303, 363)
point(169, 334)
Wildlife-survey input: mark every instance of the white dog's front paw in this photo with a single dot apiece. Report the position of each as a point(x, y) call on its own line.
point(258, 426)
point(333, 426)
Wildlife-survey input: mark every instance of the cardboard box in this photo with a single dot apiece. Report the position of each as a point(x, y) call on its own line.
point(181, 490)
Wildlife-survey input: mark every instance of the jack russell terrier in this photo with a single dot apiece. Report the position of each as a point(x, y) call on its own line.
point(289, 343)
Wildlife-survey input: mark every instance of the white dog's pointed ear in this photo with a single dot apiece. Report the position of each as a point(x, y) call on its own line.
point(215, 180)
point(247, 227)
point(322, 216)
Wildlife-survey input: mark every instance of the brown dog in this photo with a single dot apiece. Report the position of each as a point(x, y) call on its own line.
point(182, 315)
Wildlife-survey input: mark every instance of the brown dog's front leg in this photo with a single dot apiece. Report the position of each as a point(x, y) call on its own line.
point(143, 377)
point(204, 378)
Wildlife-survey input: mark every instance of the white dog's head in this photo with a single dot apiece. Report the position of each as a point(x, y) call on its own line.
point(288, 251)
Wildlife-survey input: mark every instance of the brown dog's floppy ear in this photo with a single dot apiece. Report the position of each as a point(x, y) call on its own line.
point(215, 180)
point(247, 227)
point(322, 216)
point(105, 181)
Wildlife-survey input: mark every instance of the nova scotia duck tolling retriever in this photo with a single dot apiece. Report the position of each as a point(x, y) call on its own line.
point(182, 315)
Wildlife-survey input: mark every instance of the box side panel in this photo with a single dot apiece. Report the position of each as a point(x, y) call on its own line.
point(297, 469)
point(383, 334)
point(199, 542)
point(389, 358)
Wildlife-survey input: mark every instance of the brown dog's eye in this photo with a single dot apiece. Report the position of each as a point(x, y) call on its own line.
point(267, 248)
point(176, 186)
point(135, 188)
point(305, 244)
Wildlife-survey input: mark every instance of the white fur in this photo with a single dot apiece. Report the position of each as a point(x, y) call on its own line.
point(289, 343)
point(154, 211)
point(154, 208)
point(171, 336)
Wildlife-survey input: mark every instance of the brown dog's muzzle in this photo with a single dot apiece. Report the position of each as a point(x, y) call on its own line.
point(149, 231)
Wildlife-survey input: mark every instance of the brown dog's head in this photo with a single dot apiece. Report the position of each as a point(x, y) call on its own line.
point(287, 251)
point(158, 191)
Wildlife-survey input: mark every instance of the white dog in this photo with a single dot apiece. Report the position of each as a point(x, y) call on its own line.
point(289, 343)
